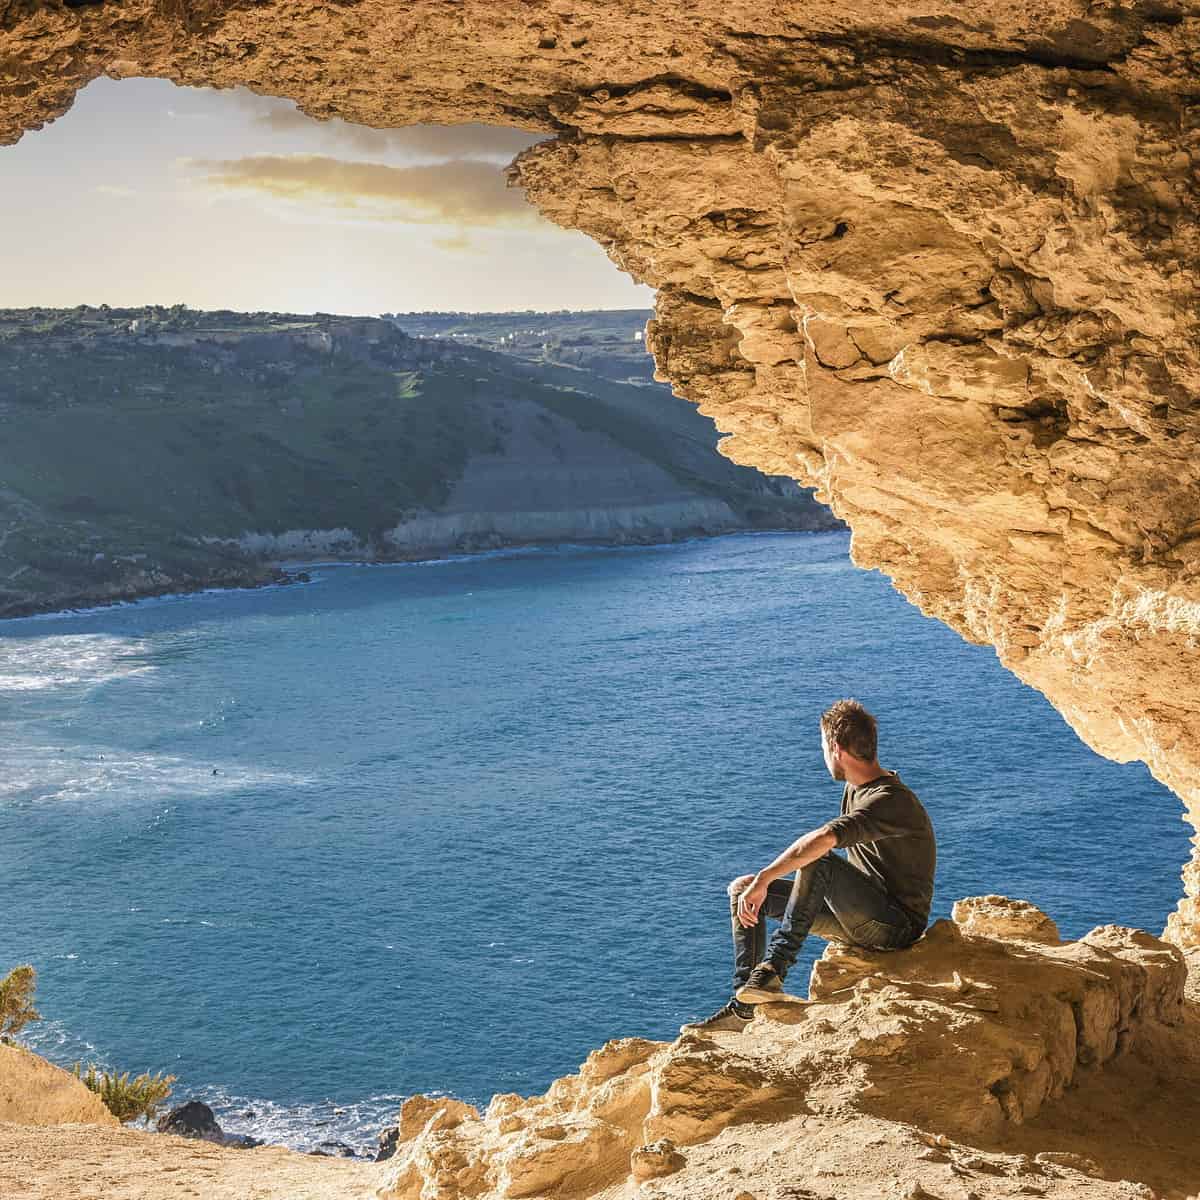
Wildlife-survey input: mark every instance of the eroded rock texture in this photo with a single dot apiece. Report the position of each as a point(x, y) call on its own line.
point(934, 1066)
point(938, 260)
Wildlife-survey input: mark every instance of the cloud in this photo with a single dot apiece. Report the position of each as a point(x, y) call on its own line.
point(492, 143)
point(460, 192)
point(114, 189)
point(458, 243)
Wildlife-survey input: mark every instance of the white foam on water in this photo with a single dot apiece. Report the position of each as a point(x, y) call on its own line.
point(322, 1124)
point(71, 660)
point(46, 774)
point(38, 769)
point(53, 1040)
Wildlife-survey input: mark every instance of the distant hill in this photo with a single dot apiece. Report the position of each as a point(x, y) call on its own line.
point(606, 341)
point(154, 450)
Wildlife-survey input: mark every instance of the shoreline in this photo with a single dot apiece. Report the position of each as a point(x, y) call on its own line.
point(294, 572)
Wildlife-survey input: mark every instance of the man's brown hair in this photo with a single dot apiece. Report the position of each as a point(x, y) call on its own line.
point(849, 725)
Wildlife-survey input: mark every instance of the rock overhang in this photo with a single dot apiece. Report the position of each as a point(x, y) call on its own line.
point(940, 264)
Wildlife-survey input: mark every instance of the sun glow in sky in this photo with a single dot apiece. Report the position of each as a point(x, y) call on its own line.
point(148, 193)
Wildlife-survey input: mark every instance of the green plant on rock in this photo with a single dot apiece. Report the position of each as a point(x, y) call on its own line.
point(16, 1001)
point(127, 1099)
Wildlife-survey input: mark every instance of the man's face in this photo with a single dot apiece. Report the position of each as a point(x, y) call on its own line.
point(833, 757)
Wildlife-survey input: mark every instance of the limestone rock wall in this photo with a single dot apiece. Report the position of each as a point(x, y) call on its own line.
point(939, 261)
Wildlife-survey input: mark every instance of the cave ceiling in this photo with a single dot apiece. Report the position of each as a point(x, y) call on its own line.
point(937, 260)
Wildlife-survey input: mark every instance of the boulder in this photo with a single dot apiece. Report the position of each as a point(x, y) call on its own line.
point(193, 1120)
point(388, 1141)
point(1000, 917)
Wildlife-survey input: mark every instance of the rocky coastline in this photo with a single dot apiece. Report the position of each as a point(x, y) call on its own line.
point(153, 586)
point(289, 571)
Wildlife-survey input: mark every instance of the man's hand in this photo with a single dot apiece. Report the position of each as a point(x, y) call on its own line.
point(750, 901)
point(751, 890)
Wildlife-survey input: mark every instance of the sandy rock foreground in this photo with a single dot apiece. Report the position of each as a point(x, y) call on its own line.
point(35, 1092)
point(86, 1162)
point(990, 1060)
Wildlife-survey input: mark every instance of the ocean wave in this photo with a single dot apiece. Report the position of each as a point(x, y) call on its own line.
point(317, 1125)
point(54, 1041)
point(72, 660)
point(36, 774)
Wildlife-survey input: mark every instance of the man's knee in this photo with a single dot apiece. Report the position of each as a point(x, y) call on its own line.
point(738, 886)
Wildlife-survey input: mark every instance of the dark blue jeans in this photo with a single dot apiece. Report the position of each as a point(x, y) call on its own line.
point(830, 898)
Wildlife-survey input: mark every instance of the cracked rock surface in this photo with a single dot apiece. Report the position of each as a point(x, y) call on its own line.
point(988, 1058)
point(937, 260)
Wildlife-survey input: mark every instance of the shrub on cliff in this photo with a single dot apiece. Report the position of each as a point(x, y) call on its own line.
point(16, 1001)
point(127, 1099)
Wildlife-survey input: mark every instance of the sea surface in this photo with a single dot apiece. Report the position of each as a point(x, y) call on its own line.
point(447, 827)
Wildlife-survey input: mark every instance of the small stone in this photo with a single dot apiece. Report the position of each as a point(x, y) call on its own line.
point(1073, 1162)
point(984, 1165)
point(655, 1160)
point(388, 1140)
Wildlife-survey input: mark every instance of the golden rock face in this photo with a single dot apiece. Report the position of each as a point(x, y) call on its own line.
point(901, 1060)
point(939, 261)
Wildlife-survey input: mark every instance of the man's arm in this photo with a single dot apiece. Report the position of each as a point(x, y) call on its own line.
point(804, 850)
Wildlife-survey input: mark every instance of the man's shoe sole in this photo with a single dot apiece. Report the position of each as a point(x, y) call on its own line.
point(756, 995)
point(703, 1029)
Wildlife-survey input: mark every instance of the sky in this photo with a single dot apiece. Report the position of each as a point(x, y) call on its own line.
point(148, 193)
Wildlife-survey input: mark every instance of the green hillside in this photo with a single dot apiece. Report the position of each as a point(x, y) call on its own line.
point(139, 445)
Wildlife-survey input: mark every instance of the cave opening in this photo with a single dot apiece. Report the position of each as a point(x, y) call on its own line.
point(746, 352)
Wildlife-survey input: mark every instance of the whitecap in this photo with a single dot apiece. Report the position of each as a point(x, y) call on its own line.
point(307, 1126)
point(70, 660)
point(46, 774)
point(53, 1040)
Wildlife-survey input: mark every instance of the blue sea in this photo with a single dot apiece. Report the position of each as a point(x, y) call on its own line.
point(446, 827)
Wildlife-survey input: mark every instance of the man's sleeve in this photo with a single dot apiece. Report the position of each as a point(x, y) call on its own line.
point(882, 814)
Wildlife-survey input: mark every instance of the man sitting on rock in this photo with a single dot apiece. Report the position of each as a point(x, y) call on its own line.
point(878, 896)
